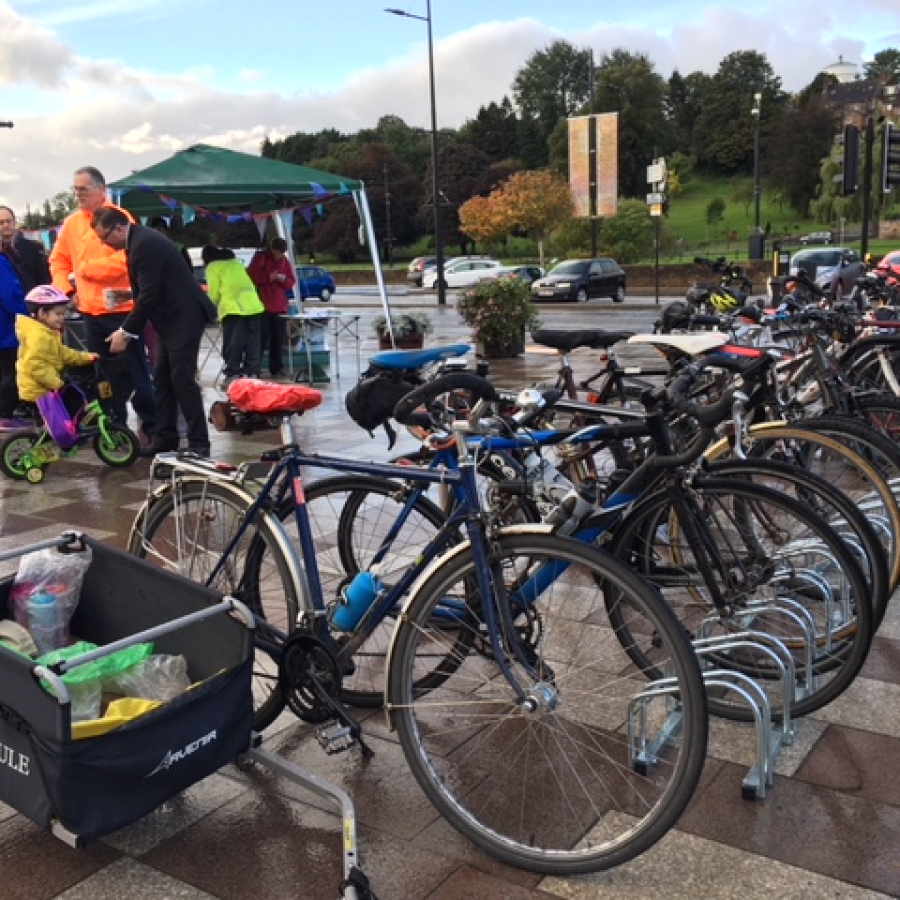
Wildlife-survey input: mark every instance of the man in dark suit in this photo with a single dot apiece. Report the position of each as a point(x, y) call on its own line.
point(28, 257)
point(167, 295)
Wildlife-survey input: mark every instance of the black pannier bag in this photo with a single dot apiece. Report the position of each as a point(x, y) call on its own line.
point(84, 789)
point(371, 402)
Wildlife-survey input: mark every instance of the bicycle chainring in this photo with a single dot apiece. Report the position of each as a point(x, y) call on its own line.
point(309, 678)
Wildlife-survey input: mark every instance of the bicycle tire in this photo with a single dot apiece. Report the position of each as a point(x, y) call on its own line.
point(206, 515)
point(13, 451)
point(350, 516)
point(771, 556)
point(547, 783)
point(832, 504)
point(833, 459)
point(122, 448)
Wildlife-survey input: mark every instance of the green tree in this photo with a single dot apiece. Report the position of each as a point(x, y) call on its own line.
point(715, 211)
point(885, 63)
point(52, 213)
point(683, 103)
point(494, 131)
point(552, 85)
point(725, 130)
point(628, 236)
point(791, 163)
point(628, 84)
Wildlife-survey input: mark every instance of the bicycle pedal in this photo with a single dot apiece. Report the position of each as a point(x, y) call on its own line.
point(335, 737)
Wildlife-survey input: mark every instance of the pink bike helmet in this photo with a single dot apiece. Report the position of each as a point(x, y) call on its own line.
point(45, 296)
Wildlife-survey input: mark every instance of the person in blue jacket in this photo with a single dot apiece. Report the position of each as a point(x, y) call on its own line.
point(12, 304)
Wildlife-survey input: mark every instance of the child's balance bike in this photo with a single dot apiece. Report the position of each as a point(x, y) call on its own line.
point(68, 419)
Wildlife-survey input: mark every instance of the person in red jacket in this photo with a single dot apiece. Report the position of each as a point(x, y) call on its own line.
point(271, 271)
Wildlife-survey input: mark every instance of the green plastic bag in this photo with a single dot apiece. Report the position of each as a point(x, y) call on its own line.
point(102, 669)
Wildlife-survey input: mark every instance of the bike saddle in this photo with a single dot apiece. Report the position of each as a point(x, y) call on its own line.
point(570, 340)
point(417, 359)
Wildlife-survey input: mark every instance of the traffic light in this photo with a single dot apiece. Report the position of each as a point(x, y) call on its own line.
point(850, 161)
point(890, 157)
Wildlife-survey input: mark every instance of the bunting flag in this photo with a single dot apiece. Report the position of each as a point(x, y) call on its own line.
point(261, 229)
point(307, 213)
point(286, 216)
point(188, 214)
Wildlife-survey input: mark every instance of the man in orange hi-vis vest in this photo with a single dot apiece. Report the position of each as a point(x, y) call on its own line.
point(96, 276)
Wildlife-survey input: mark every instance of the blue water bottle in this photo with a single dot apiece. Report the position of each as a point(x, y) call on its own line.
point(356, 600)
point(44, 621)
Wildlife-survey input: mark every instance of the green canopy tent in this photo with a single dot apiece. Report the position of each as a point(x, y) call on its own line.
point(213, 181)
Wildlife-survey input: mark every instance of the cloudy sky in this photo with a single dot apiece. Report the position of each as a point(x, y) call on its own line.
point(122, 85)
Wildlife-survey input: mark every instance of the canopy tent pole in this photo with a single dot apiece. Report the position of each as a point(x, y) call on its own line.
point(284, 226)
point(366, 216)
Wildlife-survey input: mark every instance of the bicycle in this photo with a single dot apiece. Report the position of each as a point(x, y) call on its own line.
point(72, 416)
point(367, 518)
point(489, 625)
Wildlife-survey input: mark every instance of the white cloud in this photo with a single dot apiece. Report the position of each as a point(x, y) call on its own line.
point(71, 111)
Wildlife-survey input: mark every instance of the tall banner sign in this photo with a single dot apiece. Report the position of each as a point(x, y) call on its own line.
point(594, 164)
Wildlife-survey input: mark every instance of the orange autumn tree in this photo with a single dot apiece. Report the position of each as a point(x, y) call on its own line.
point(533, 203)
point(479, 218)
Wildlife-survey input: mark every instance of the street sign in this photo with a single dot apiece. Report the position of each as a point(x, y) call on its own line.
point(656, 173)
point(656, 199)
point(656, 209)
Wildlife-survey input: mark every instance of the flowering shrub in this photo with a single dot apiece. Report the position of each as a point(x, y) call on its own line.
point(498, 311)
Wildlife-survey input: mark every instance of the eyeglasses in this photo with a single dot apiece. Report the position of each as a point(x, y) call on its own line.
point(109, 231)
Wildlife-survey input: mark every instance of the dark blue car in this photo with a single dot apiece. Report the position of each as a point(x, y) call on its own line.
point(314, 281)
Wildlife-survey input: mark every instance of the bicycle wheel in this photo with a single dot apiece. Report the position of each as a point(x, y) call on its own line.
point(187, 530)
point(831, 504)
point(831, 455)
point(121, 449)
point(759, 562)
point(15, 454)
point(554, 778)
point(352, 518)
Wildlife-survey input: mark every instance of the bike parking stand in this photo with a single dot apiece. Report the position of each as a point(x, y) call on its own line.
point(645, 749)
point(355, 885)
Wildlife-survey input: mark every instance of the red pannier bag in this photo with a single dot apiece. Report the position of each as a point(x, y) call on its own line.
point(267, 398)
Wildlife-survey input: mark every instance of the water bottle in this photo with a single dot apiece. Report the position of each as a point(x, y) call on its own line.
point(542, 471)
point(356, 600)
point(574, 507)
point(45, 621)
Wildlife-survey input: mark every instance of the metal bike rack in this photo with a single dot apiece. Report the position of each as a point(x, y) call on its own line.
point(645, 749)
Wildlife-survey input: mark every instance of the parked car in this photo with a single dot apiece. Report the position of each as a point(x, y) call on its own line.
point(462, 272)
point(528, 274)
point(314, 281)
point(418, 266)
point(817, 237)
point(582, 280)
point(835, 269)
point(890, 261)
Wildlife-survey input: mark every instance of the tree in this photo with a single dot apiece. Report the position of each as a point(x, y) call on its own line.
point(885, 63)
point(795, 144)
point(715, 211)
point(683, 104)
point(532, 203)
point(494, 131)
point(552, 85)
point(725, 130)
point(480, 219)
point(628, 236)
point(742, 191)
point(627, 83)
point(53, 211)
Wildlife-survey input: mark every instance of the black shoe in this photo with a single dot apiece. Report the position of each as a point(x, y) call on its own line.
point(152, 449)
point(202, 452)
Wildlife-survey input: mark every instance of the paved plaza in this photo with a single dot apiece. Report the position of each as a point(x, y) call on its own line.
point(829, 827)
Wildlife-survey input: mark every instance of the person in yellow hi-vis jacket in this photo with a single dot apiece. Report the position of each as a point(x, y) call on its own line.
point(240, 311)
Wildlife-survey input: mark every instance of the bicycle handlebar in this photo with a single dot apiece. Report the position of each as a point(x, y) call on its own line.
point(404, 411)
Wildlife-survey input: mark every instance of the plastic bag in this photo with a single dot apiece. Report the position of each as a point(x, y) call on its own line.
point(87, 682)
point(158, 677)
point(45, 593)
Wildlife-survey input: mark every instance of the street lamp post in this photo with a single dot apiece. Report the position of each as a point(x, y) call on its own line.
point(756, 189)
point(435, 184)
point(757, 240)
